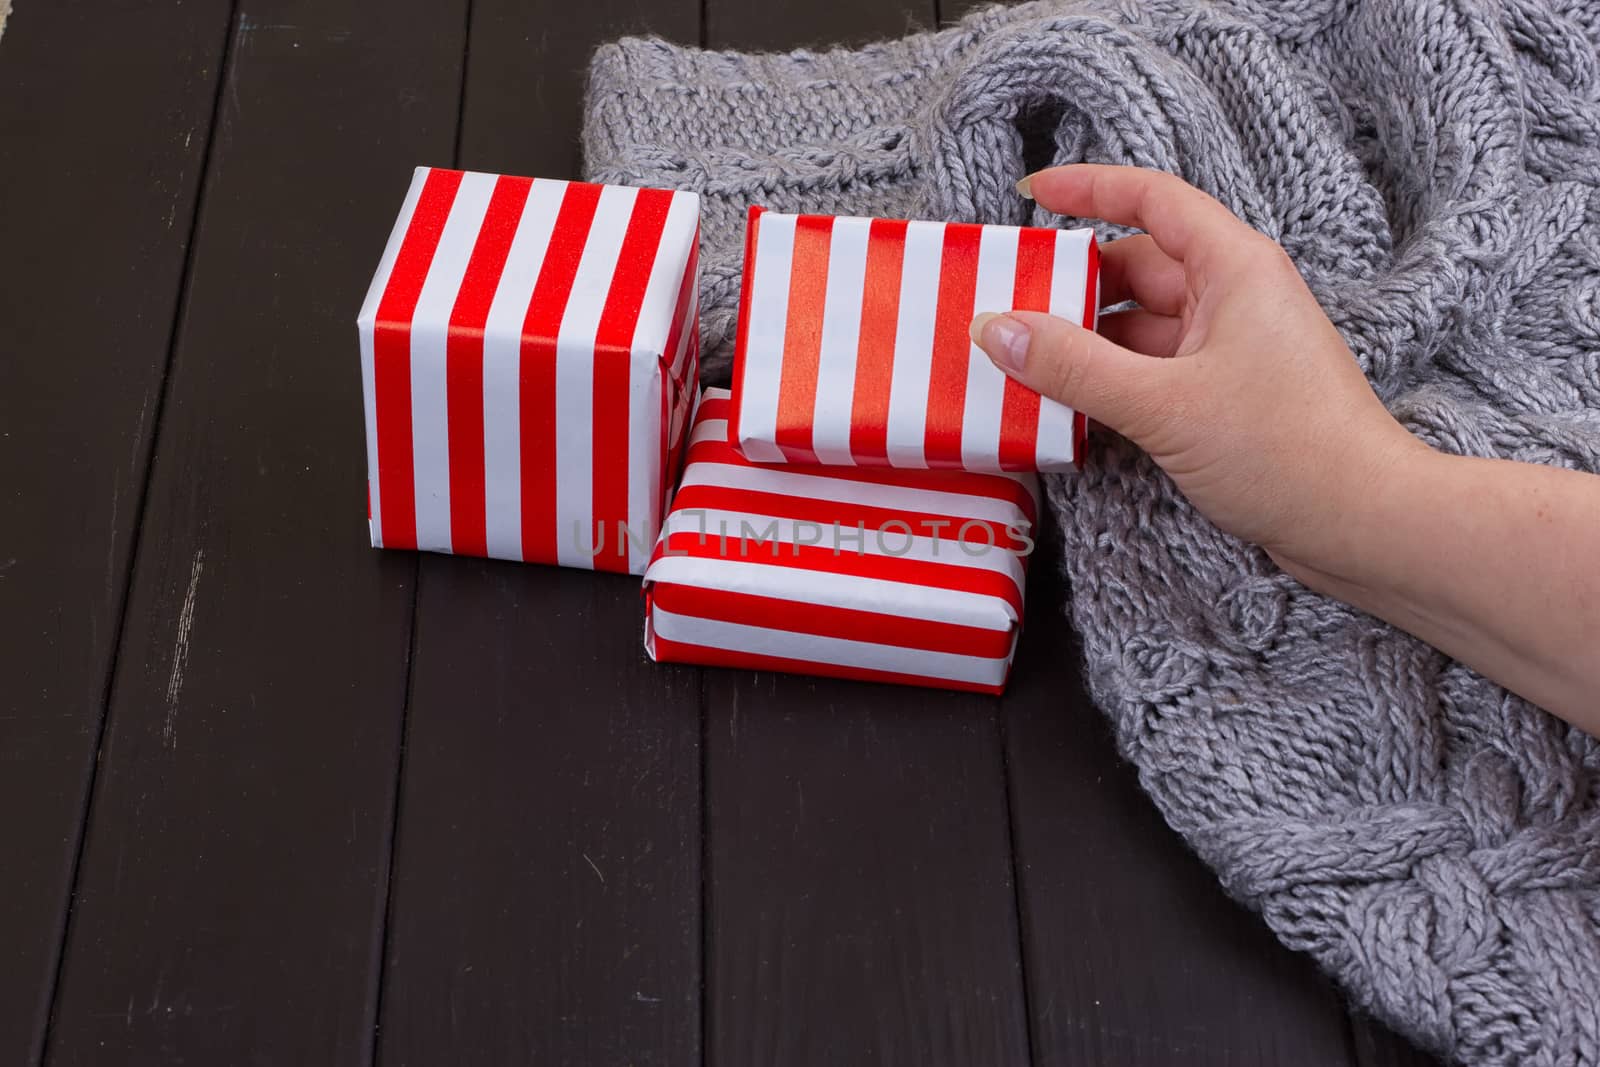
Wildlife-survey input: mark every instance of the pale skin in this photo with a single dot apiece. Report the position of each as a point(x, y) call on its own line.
point(1263, 419)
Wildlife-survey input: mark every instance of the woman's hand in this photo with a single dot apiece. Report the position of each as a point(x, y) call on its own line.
point(1232, 378)
point(1261, 415)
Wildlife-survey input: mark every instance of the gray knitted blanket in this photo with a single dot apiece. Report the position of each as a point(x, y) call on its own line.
point(1433, 166)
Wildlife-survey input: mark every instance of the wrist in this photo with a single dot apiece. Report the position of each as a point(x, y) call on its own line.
point(1366, 522)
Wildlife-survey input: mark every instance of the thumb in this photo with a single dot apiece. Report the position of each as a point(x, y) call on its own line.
point(1077, 367)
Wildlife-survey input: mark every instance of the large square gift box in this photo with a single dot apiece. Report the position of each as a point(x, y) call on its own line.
point(528, 357)
point(853, 346)
point(909, 576)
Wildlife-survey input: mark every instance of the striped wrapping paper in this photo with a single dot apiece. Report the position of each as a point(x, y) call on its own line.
point(853, 346)
point(529, 349)
point(906, 576)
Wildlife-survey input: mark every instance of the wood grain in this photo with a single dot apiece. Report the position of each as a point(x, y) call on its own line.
point(97, 198)
point(231, 895)
point(1134, 954)
point(817, 25)
point(861, 907)
point(546, 896)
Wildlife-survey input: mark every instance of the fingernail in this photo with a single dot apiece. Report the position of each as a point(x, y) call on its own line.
point(1003, 338)
point(1025, 187)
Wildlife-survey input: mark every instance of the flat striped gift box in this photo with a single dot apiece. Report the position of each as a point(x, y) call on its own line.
point(853, 347)
point(907, 576)
point(529, 351)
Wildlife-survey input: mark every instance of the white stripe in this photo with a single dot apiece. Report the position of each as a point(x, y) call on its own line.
point(689, 340)
point(734, 575)
point(841, 332)
point(715, 429)
point(682, 415)
point(502, 369)
point(1054, 449)
point(574, 397)
point(843, 539)
point(836, 485)
point(913, 344)
point(666, 274)
point(430, 413)
point(681, 412)
point(707, 429)
point(648, 376)
point(792, 482)
point(645, 385)
point(985, 397)
point(764, 333)
point(759, 640)
point(366, 325)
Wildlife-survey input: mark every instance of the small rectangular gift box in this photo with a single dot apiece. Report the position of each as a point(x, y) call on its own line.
point(853, 346)
point(529, 352)
point(910, 576)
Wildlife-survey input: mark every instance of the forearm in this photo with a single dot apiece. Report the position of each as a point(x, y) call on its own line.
point(1495, 563)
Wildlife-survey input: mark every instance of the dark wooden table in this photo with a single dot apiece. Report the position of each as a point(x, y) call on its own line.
point(268, 796)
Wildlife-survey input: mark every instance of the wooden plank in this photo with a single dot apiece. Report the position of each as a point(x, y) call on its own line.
point(546, 894)
point(861, 907)
point(1134, 954)
point(955, 10)
point(105, 113)
point(231, 895)
point(817, 25)
point(1378, 1046)
point(523, 106)
point(546, 898)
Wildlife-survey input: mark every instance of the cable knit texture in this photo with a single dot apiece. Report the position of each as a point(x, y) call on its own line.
point(1432, 167)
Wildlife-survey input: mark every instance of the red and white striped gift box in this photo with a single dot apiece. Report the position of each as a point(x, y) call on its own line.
point(853, 346)
point(908, 576)
point(529, 349)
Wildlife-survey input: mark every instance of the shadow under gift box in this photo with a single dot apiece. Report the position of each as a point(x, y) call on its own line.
point(853, 346)
point(907, 576)
point(529, 352)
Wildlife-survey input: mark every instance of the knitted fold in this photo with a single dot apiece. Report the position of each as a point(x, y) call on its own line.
point(1432, 167)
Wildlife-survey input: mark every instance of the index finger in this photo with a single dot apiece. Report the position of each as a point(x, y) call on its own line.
point(1183, 221)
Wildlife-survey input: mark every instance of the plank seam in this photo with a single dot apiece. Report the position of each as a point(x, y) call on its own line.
point(186, 282)
point(386, 932)
point(1020, 909)
point(380, 970)
point(705, 871)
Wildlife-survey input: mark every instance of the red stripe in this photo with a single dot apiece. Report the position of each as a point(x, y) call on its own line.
point(683, 375)
point(391, 350)
point(464, 364)
point(849, 624)
point(741, 342)
point(681, 652)
point(967, 483)
point(767, 553)
point(683, 397)
point(952, 345)
point(679, 371)
point(537, 387)
point(613, 360)
point(1019, 405)
point(952, 531)
point(1091, 320)
point(880, 315)
point(802, 339)
point(1091, 287)
point(680, 311)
